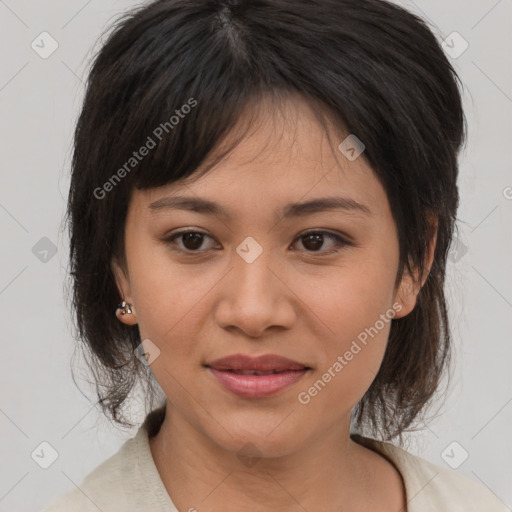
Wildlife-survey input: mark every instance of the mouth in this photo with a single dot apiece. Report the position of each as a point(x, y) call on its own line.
point(256, 377)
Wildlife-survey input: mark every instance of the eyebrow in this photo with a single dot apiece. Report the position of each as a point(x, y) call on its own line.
point(205, 206)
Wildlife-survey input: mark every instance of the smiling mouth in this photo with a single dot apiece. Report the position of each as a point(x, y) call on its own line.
point(247, 376)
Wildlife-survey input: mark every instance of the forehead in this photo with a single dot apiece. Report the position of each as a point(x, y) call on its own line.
point(285, 155)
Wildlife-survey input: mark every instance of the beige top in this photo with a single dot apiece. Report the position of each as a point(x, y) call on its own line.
point(129, 481)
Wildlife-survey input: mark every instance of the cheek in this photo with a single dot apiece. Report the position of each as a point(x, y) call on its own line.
point(170, 302)
point(351, 352)
point(350, 297)
point(353, 307)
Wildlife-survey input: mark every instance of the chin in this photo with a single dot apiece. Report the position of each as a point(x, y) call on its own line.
point(259, 437)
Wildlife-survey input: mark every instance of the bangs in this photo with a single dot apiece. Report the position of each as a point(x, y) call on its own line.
point(166, 132)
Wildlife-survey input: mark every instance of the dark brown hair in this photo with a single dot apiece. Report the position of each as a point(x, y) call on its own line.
point(370, 66)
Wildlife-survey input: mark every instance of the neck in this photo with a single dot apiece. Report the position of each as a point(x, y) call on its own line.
point(329, 472)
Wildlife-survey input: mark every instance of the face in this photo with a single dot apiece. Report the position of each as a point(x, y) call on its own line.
point(315, 286)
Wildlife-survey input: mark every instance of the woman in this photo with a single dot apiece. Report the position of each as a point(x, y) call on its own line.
point(268, 190)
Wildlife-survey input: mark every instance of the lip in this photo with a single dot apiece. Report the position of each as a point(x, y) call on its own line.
point(256, 386)
point(266, 362)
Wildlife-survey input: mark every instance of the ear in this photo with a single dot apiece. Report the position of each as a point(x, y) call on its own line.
point(410, 285)
point(123, 285)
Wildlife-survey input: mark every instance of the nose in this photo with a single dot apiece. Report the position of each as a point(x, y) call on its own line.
point(255, 296)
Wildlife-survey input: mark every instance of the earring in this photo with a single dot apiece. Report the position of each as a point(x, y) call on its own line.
point(125, 306)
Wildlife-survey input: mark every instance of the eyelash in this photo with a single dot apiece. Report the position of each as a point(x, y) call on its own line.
point(340, 241)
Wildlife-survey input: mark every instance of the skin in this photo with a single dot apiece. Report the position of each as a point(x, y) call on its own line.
point(292, 300)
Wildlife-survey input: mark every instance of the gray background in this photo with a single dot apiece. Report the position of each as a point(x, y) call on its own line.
point(39, 402)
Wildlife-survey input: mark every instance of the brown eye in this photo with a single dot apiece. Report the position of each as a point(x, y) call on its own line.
point(190, 240)
point(313, 241)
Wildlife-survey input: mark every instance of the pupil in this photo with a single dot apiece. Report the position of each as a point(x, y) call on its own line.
point(317, 240)
point(187, 237)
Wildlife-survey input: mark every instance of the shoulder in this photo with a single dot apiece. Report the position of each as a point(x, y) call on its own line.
point(430, 487)
point(127, 481)
point(102, 487)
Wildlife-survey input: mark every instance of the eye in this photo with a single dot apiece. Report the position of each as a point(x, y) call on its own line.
point(191, 240)
point(314, 240)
